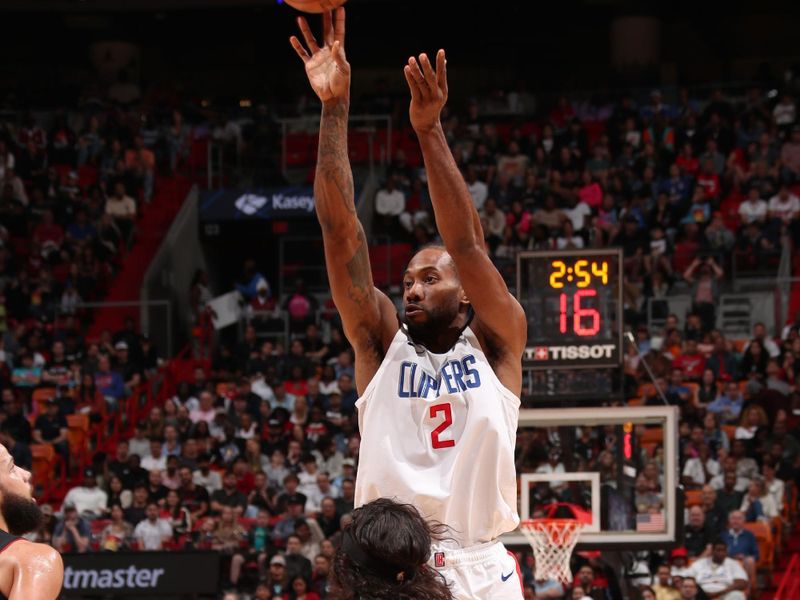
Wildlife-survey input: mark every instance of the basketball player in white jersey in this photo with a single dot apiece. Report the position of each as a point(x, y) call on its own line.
point(439, 392)
point(27, 570)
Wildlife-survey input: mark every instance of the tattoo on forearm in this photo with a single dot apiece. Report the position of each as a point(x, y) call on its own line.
point(334, 175)
point(360, 288)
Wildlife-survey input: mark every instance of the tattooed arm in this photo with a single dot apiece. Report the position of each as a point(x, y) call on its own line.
point(367, 314)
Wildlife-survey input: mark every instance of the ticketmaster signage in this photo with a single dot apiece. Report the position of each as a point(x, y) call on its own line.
point(141, 573)
point(264, 203)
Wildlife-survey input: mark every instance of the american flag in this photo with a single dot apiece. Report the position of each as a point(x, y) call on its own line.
point(650, 522)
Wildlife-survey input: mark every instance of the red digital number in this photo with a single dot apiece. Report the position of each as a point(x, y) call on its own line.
point(579, 314)
point(448, 420)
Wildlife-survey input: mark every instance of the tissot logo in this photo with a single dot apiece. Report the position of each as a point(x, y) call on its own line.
point(570, 352)
point(250, 204)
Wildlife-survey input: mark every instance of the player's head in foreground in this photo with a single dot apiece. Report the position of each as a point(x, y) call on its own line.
point(384, 553)
point(433, 299)
point(19, 511)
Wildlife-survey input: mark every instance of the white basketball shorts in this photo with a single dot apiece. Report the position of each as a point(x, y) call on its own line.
point(483, 572)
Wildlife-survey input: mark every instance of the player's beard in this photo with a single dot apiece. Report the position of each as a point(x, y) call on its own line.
point(437, 320)
point(21, 514)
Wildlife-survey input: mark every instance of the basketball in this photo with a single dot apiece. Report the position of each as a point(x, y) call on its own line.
point(312, 6)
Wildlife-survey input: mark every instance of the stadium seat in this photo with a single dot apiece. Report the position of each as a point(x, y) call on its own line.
point(693, 498)
point(45, 463)
point(766, 546)
point(40, 396)
point(652, 435)
point(78, 438)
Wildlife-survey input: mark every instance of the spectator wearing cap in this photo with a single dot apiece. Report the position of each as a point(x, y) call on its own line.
point(718, 575)
point(130, 372)
point(678, 559)
point(277, 583)
point(72, 533)
point(88, 499)
point(293, 509)
point(50, 428)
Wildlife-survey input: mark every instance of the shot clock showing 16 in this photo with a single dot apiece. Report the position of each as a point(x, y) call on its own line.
point(572, 300)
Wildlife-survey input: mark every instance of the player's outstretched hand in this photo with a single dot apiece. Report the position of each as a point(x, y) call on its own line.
point(327, 68)
point(428, 90)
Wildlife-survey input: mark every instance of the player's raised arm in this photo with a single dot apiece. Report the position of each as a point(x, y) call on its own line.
point(456, 217)
point(368, 315)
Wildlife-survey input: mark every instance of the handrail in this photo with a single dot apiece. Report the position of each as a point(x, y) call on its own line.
point(789, 587)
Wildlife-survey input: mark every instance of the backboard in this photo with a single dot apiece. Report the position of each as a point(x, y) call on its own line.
point(613, 468)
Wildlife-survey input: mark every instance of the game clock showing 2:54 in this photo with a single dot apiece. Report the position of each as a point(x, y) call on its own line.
point(573, 302)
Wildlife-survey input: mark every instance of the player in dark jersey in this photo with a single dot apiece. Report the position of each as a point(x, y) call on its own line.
point(27, 570)
point(383, 556)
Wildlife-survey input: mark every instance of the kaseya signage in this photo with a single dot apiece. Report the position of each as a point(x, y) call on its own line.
point(141, 573)
point(261, 203)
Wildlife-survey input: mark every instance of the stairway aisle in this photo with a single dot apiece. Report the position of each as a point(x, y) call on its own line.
point(151, 228)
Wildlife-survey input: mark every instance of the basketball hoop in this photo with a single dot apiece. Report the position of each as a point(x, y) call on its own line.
point(552, 541)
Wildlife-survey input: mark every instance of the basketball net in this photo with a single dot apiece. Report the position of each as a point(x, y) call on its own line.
point(552, 541)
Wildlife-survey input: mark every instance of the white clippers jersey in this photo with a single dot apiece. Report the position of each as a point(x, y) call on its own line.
point(438, 431)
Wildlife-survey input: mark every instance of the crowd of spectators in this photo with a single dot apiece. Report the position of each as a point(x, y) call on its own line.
point(685, 188)
point(256, 456)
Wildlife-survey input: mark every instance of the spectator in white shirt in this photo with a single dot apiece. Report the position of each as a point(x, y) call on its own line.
point(153, 532)
point(700, 469)
point(206, 411)
point(477, 188)
point(308, 476)
point(784, 112)
point(775, 487)
point(323, 489)
point(758, 495)
point(390, 203)
point(719, 576)
point(139, 444)
point(88, 499)
point(157, 461)
point(784, 206)
point(753, 209)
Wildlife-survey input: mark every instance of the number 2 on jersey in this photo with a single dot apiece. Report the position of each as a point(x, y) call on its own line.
point(448, 420)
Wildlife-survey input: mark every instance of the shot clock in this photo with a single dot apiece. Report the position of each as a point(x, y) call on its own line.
point(573, 302)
